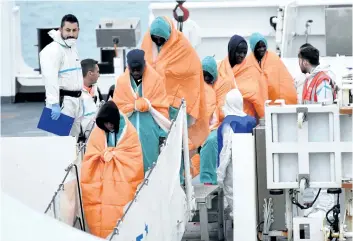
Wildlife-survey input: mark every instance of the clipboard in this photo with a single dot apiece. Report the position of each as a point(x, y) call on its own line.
point(60, 127)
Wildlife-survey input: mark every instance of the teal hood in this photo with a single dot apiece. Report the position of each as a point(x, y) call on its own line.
point(209, 64)
point(161, 28)
point(255, 38)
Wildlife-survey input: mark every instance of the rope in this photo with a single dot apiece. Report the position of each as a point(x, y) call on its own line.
point(268, 219)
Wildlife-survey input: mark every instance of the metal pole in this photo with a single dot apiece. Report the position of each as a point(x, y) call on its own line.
point(289, 215)
point(188, 185)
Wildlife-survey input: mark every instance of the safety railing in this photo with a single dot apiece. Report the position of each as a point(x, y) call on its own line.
point(61, 188)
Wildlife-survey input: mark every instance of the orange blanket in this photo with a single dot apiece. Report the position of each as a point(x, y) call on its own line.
point(195, 165)
point(211, 100)
point(247, 79)
point(275, 74)
point(109, 178)
point(181, 66)
point(213, 107)
point(152, 88)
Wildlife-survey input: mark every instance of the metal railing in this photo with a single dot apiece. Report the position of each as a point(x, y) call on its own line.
point(62, 186)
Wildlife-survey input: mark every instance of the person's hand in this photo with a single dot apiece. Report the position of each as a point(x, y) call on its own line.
point(55, 111)
point(142, 105)
point(108, 156)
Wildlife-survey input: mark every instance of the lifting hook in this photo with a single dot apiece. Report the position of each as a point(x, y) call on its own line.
point(184, 16)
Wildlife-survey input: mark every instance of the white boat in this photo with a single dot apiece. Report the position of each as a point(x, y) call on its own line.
point(208, 28)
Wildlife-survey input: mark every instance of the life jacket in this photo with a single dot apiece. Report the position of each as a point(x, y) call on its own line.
point(309, 93)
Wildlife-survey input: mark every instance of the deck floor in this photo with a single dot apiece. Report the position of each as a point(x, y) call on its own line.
point(21, 119)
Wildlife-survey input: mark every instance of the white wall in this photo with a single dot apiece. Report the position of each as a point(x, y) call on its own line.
point(317, 33)
point(24, 224)
point(33, 167)
point(7, 72)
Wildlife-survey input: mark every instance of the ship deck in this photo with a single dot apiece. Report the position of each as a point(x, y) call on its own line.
point(21, 119)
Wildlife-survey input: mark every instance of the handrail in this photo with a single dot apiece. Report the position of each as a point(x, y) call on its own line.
point(61, 187)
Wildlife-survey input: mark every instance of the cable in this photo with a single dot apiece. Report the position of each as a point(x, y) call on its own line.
point(258, 230)
point(317, 195)
point(335, 223)
point(295, 201)
point(268, 219)
point(335, 213)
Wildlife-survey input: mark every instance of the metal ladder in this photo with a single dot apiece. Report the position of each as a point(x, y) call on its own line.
point(208, 223)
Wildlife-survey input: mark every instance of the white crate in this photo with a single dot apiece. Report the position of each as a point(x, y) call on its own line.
point(315, 150)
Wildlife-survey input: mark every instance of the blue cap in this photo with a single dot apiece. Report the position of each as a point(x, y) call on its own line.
point(136, 57)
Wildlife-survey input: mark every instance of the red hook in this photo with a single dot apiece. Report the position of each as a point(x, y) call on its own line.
point(185, 15)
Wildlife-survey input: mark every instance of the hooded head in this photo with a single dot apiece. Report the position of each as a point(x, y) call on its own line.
point(237, 50)
point(209, 67)
point(234, 103)
point(160, 31)
point(258, 45)
point(136, 63)
point(108, 117)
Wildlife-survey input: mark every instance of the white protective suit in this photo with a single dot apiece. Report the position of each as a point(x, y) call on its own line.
point(90, 109)
point(61, 69)
point(233, 106)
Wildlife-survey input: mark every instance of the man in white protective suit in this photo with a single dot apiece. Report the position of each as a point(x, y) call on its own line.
point(235, 121)
point(61, 71)
point(91, 96)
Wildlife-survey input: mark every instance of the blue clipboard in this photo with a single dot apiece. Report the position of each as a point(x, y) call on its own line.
point(60, 127)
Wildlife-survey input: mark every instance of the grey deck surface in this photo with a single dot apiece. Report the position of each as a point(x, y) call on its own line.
point(21, 120)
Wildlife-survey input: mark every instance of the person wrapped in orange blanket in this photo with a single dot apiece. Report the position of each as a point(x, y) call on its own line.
point(171, 54)
point(111, 170)
point(216, 89)
point(243, 75)
point(141, 95)
point(272, 70)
